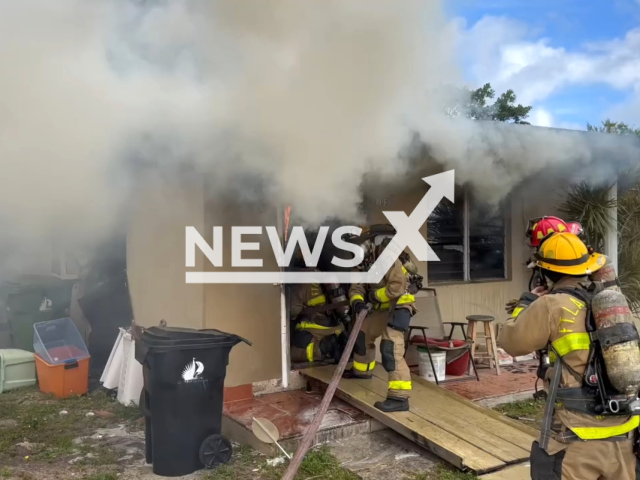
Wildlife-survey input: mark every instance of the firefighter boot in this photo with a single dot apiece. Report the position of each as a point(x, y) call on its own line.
point(355, 375)
point(393, 404)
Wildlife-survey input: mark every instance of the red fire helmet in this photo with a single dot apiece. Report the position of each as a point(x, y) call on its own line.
point(539, 228)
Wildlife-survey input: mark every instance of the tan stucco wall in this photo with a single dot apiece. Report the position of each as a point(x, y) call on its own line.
point(251, 311)
point(156, 272)
point(156, 255)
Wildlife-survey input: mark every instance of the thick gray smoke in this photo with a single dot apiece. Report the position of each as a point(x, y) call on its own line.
point(293, 98)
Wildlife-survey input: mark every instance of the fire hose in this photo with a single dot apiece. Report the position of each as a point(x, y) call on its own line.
point(326, 400)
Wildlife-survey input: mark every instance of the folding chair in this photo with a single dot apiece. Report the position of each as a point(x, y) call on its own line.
point(429, 305)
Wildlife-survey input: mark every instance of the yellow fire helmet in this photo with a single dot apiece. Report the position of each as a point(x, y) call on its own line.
point(566, 253)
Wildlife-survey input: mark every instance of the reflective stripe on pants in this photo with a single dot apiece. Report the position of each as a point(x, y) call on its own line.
point(374, 327)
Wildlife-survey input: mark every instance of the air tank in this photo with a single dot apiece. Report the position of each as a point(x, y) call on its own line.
point(607, 275)
point(336, 294)
point(622, 360)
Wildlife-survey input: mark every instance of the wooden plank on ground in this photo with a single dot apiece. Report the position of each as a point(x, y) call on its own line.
point(478, 417)
point(458, 424)
point(514, 472)
point(454, 449)
point(454, 397)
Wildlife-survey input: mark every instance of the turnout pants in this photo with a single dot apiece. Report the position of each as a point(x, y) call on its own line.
point(306, 345)
point(592, 460)
point(377, 325)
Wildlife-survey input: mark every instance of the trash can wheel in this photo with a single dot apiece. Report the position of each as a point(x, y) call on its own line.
point(215, 450)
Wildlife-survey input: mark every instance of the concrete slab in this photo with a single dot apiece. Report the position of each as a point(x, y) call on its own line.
point(292, 412)
point(519, 378)
point(510, 398)
point(383, 455)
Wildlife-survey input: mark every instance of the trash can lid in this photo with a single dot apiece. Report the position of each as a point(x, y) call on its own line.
point(183, 336)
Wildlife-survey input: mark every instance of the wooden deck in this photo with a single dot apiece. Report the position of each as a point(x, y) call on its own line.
point(464, 434)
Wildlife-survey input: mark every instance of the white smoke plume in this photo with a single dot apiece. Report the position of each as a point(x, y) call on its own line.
point(289, 99)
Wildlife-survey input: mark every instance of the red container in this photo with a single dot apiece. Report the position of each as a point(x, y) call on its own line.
point(456, 367)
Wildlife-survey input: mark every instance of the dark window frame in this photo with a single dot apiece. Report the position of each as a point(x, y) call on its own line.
point(466, 248)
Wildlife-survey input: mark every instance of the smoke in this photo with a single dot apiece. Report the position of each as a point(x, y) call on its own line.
point(285, 100)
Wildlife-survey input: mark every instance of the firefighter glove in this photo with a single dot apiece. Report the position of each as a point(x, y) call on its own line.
point(371, 296)
point(511, 305)
point(358, 307)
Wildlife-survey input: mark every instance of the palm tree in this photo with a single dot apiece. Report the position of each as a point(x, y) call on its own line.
point(590, 205)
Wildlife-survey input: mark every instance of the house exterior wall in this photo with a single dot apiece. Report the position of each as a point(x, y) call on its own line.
point(156, 255)
point(156, 271)
point(458, 300)
point(251, 311)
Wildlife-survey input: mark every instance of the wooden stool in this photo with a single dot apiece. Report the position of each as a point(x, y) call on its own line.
point(489, 338)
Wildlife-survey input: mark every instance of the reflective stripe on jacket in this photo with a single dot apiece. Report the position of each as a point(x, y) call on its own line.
point(560, 320)
point(392, 286)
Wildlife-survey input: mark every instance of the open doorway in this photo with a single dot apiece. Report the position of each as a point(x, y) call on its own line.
point(319, 316)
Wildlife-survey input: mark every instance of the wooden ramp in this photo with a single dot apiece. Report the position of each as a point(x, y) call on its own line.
point(515, 472)
point(464, 434)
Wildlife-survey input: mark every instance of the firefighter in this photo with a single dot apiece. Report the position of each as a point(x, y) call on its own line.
point(553, 317)
point(393, 307)
point(537, 231)
point(315, 335)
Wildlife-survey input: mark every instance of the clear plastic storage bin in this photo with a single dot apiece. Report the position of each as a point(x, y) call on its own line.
point(59, 341)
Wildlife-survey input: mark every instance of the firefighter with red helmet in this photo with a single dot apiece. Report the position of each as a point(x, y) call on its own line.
point(538, 230)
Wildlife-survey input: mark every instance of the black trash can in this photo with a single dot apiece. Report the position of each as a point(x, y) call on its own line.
point(184, 372)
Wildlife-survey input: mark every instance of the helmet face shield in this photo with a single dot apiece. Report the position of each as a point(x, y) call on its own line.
point(575, 228)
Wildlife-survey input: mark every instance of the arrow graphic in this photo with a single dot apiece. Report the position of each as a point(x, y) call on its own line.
point(407, 235)
point(442, 185)
point(408, 228)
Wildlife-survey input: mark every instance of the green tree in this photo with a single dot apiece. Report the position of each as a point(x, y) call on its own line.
point(475, 104)
point(618, 128)
point(590, 205)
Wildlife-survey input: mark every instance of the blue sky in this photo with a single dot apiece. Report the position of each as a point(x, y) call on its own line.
point(574, 61)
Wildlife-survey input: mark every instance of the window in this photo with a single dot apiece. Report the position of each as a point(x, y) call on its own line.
point(64, 265)
point(469, 238)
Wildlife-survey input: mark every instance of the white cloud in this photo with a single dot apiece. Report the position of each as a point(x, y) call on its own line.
point(506, 53)
point(541, 117)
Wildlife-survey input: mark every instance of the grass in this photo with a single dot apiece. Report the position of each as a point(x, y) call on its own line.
point(52, 435)
point(529, 412)
point(318, 464)
point(49, 434)
point(443, 472)
point(102, 476)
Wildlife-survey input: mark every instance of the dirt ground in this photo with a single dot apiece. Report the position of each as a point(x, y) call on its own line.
point(94, 437)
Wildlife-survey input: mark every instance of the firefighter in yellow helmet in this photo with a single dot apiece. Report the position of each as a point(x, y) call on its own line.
point(395, 292)
point(576, 443)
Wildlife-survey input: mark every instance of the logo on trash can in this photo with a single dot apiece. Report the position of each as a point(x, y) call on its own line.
point(192, 371)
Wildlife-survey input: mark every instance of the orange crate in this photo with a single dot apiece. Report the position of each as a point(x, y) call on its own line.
point(63, 380)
